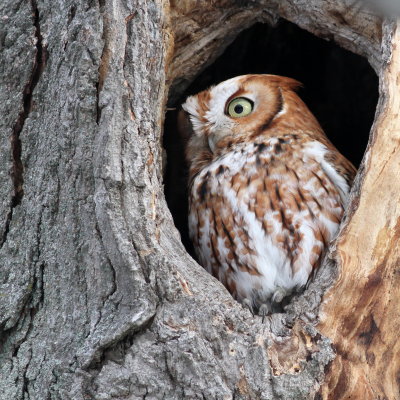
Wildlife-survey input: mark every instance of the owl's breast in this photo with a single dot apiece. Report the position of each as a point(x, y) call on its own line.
point(262, 214)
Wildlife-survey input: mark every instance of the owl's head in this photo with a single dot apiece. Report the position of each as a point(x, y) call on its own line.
point(242, 109)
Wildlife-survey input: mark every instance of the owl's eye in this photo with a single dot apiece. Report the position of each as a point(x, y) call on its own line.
point(240, 107)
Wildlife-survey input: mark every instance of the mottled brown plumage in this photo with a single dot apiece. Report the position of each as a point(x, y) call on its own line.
point(267, 187)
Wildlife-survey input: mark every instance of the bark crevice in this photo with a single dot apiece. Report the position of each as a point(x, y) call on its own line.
point(116, 350)
point(27, 100)
point(104, 59)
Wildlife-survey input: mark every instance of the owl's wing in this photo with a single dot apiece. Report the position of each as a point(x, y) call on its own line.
point(342, 166)
point(338, 169)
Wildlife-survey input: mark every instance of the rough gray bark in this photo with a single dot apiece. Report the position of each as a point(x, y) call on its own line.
point(98, 298)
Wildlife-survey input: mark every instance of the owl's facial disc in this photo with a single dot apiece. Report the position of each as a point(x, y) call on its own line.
point(226, 123)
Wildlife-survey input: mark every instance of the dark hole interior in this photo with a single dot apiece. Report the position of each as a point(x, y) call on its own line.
point(340, 88)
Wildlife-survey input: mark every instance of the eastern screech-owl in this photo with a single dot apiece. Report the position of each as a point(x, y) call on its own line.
point(267, 189)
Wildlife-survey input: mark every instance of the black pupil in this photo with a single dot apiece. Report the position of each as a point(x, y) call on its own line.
point(238, 109)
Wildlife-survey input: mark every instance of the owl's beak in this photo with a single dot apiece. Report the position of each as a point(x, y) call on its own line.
point(211, 143)
point(215, 139)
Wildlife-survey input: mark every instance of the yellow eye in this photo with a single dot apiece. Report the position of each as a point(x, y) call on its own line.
point(240, 107)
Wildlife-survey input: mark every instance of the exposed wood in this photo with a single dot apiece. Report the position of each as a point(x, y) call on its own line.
point(361, 313)
point(202, 32)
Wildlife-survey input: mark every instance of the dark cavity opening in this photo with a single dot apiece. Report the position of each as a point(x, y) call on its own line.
point(340, 88)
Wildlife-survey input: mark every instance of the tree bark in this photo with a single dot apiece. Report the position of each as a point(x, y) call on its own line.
point(98, 297)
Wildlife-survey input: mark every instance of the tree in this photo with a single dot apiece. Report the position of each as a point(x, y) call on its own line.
point(98, 298)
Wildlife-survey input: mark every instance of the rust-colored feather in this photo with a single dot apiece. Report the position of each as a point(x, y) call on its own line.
point(267, 190)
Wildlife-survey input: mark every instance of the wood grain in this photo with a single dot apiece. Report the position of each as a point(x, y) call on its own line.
point(361, 314)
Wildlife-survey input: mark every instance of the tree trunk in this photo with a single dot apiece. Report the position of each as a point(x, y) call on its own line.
point(98, 297)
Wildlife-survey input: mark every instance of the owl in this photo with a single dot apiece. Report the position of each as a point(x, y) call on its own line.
point(267, 189)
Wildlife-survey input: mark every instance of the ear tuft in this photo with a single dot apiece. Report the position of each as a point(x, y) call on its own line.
point(285, 82)
point(289, 83)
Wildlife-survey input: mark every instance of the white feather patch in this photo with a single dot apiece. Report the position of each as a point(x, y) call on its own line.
point(318, 151)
